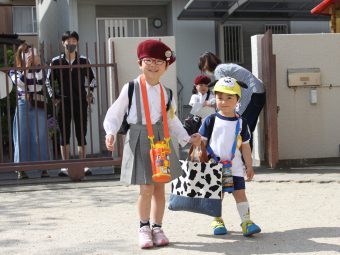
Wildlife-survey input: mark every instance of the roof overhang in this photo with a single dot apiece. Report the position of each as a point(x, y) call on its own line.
point(250, 10)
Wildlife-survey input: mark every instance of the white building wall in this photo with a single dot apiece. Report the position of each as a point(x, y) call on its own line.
point(305, 130)
point(192, 39)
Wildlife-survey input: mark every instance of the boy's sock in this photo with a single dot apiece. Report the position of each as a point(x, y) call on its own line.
point(218, 219)
point(143, 223)
point(155, 225)
point(243, 210)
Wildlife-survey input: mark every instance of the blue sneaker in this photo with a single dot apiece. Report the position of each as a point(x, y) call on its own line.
point(218, 227)
point(249, 228)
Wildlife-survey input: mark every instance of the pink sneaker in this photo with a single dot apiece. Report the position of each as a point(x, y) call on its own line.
point(159, 238)
point(145, 237)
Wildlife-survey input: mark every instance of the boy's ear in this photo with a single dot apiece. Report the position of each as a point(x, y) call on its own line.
point(212, 84)
point(242, 84)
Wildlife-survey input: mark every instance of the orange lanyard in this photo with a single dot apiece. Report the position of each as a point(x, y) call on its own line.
point(147, 113)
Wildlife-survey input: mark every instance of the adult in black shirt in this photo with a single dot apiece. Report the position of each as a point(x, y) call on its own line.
point(67, 87)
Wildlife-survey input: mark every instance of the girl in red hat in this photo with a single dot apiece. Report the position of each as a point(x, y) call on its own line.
point(147, 106)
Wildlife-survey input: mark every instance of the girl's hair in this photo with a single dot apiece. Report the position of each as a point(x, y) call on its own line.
point(194, 90)
point(210, 60)
point(18, 55)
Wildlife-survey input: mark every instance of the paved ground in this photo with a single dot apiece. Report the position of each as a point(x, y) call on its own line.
point(298, 210)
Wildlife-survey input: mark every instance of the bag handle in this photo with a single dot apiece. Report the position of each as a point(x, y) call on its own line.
point(204, 155)
point(147, 113)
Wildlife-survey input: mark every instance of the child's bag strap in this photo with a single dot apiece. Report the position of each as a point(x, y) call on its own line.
point(130, 93)
point(168, 104)
point(147, 113)
point(233, 149)
point(208, 95)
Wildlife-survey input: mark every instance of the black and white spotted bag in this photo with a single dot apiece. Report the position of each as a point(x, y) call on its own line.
point(198, 189)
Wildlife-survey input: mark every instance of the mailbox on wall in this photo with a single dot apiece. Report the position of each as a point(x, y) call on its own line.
point(301, 77)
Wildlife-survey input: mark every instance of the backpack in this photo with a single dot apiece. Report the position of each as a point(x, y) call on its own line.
point(125, 125)
point(193, 122)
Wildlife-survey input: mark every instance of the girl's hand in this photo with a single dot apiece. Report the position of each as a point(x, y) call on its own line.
point(109, 139)
point(29, 61)
point(195, 139)
point(250, 173)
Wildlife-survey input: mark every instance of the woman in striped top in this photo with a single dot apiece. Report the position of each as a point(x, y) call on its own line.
point(29, 123)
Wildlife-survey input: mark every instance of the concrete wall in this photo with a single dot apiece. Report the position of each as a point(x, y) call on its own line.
point(192, 39)
point(53, 19)
point(305, 130)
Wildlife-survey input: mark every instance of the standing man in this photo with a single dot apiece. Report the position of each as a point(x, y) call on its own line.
point(67, 85)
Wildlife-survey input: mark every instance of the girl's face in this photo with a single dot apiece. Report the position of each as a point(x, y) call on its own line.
point(226, 103)
point(153, 68)
point(202, 88)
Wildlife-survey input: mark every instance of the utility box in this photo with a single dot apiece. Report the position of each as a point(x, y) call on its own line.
point(301, 77)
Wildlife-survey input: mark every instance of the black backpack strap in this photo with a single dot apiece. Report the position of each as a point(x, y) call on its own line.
point(169, 92)
point(130, 93)
point(208, 95)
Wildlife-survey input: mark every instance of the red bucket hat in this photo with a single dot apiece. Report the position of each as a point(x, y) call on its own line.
point(155, 49)
point(202, 79)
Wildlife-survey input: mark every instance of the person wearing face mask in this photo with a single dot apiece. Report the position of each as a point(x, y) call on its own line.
point(253, 97)
point(29, 122)
point(67, 87)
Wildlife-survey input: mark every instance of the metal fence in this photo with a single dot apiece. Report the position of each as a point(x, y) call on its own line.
point(97, 155)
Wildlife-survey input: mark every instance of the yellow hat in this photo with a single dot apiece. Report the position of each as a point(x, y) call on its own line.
point(228, 85)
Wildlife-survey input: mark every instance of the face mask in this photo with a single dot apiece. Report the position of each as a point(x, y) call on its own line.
point(208, 73)
point(71, 48)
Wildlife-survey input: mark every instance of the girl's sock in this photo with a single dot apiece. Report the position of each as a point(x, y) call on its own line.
point(143, 223)
point(243, 210)
point(155, 225)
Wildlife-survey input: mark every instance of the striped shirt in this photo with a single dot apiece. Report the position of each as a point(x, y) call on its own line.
point(29, 84)
point(239, 73)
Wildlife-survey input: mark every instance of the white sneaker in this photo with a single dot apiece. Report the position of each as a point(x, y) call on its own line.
point(63, 172)
point(87, 171)
point(145, 237)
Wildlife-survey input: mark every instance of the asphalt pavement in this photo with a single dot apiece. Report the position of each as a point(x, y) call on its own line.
point(297, 209)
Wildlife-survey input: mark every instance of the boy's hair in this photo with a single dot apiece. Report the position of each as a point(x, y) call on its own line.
point(69, 34)
point(210, 60)
point(221, 93)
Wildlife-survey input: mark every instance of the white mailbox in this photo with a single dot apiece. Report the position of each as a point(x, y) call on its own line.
point(299, 77)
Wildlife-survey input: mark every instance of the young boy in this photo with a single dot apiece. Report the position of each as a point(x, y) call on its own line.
point(154, 58)
point(227, 135)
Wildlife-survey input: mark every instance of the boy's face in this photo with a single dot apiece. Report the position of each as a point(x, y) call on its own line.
point(202, 88)
point(153, 68)
point(70, 44)
point(226, 103)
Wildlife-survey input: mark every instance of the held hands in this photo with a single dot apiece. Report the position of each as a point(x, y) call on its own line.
point(195, 139)
point(109, 139)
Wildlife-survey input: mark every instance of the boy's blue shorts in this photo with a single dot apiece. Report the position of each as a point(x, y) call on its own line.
point(239, 183)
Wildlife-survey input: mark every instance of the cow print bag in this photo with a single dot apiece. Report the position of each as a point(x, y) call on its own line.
point(198, 189)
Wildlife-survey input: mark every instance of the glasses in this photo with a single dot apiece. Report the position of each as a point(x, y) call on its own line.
point(149, 61)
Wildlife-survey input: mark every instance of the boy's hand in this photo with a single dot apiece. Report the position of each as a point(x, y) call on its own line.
point(109, 139)
point(195, 139)
point(250, 173)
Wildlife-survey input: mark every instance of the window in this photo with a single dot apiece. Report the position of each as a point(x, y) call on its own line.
point(276, 28)
point(24, 20)
point(233, 43)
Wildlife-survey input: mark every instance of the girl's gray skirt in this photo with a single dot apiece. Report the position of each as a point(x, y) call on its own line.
point(136, 162)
